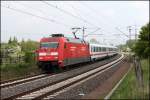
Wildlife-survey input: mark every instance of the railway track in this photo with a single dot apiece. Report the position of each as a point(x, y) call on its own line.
point(60, 86)
point(15, 79)
point(49, 89)
point(22, 80)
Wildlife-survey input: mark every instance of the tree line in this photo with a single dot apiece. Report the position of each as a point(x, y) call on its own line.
point(26, 46)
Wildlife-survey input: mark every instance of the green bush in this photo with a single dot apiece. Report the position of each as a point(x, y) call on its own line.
point(29, 57)
point(8, 67)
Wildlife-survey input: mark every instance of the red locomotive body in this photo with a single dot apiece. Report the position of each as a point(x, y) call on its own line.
point(61, 51)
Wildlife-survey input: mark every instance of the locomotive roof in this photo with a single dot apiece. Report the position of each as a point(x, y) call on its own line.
point(69, 39)
point(74, 40)
point(100, 45)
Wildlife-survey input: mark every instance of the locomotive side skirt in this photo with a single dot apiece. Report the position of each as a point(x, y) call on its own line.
point(72, 61)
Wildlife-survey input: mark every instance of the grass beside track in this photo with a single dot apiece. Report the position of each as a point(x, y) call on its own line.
point(129, 88)
point(14, 71)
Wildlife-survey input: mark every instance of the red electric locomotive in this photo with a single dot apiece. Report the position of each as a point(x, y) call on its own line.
point(59, 51)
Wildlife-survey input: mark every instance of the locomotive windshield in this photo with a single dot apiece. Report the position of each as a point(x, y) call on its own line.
point(49, 45)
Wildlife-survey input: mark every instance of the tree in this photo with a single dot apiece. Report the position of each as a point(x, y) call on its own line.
point(122, 47)
point(9, 41)
point(130, 43)
point(22, 41)
point(29, 45)
point(13, 42)
point(144, 33)
point(142, 48)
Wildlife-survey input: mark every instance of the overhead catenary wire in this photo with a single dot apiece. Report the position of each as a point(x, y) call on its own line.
point(81, 17)
point(77, 13)
point(31, 14)
point(93, 11)
point(92, 17)
point(95, 30)
point(31, 8)
point(70, 14)
point(42, 12)
point(122, 32)
point(109, 23)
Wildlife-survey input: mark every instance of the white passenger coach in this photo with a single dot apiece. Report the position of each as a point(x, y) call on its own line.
point(98, 51)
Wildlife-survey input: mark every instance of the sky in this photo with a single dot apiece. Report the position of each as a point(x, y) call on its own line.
point(105, 21)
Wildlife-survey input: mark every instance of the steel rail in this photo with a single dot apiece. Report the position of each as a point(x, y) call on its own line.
point(19, 81)
point(19, 78)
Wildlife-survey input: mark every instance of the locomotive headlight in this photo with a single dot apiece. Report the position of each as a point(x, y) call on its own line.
point(54, 53)
point(42, 54)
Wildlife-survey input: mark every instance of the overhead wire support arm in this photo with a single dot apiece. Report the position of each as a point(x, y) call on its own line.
point(76, 29)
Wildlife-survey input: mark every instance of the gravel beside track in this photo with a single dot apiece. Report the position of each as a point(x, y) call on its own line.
point(104, 89)
point(43, 82)
point(82, 88)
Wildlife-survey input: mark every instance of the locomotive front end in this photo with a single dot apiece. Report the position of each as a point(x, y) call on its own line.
point(49, 53)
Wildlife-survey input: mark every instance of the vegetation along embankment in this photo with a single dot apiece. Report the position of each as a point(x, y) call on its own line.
point(18, 59)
